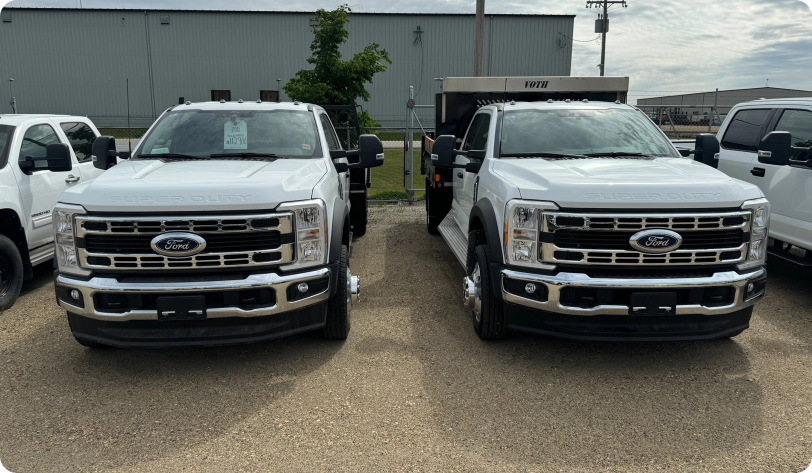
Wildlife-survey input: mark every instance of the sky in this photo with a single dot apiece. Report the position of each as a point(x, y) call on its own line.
point(666, 47)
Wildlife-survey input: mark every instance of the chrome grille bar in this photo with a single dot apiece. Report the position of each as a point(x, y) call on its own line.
point(155, 225)
point(633, 221)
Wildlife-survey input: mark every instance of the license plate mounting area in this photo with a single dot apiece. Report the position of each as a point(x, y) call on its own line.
point(181, 307)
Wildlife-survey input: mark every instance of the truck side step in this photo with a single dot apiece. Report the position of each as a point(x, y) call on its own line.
point(788, 256)
point(452, 235)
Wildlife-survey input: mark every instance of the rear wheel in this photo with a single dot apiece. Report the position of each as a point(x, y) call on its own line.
point(11, 273)
point(339, 307)
point(487, 312)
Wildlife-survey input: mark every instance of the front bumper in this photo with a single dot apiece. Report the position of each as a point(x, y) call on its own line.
point(92, 291)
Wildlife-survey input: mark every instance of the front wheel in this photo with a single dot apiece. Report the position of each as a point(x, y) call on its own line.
point(487, 311)
point(339, 306)
point(11, 273)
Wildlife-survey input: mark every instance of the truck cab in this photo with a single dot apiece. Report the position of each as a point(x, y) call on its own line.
point(579, 218)
point(41, 156)
point(769, 144)
point(229, 224)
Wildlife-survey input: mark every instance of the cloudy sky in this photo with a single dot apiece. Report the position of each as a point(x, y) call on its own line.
point(665, 46)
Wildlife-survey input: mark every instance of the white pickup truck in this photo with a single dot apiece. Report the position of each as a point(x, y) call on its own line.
point(230, 223)
point(579, 218)
point(40, 157)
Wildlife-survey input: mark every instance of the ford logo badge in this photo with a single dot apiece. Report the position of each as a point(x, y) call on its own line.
point(655, 241)
point(178, 244)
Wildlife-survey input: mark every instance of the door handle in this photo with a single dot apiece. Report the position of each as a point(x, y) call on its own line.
point(71, 179)
point(459, 174)
point(758, 172)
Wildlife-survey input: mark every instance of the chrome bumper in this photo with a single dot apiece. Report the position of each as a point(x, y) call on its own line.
point(560, 281)
point(279, 283)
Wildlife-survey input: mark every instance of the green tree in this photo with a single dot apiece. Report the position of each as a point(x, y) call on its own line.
point(333, 81)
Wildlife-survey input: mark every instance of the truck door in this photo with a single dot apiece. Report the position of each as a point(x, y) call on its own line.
point(475, 139)
point(333, 144)
point(80, 136)
point(789, 188)
point(40, 190)
point(739, 144)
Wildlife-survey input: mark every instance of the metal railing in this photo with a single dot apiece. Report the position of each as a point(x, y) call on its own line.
point(684, 121)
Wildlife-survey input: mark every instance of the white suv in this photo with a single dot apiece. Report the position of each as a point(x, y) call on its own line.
point(769, 143)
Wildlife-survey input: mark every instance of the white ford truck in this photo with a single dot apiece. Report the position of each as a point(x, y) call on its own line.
point(230, 223)
point(574, 215)
point(40, 157)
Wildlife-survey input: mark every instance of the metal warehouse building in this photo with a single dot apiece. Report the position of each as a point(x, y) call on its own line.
point(723, 99)
point(79, 61)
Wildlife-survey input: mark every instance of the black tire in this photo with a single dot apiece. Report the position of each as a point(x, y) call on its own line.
point(339, 306)
point(88, 343)
point(432, 212)
point(11, 273)
point(358, 216)
point(490, 325)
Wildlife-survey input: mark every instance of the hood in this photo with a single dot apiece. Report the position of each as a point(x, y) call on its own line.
point(626, 183)
point(194, 186)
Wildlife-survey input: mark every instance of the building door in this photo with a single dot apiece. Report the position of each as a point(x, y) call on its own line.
point(218, 95)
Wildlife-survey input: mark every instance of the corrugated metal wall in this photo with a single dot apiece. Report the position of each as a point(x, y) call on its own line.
point(78, 61)
point(725, 99)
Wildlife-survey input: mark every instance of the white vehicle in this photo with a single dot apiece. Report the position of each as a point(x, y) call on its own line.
point(579, 218)
point(230, 223)
point(40, 157)
point(769, 143)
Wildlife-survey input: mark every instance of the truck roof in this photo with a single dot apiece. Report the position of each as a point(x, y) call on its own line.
point(14, 120)
point(245, 105)
point(788, 101)
point(562, 105)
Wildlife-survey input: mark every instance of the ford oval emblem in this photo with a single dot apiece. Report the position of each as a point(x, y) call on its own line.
point(655, 241)
point(178, 244)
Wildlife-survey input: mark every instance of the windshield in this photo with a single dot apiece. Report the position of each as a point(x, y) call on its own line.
point(6, 134)
point(582, 132)
point(203, 133)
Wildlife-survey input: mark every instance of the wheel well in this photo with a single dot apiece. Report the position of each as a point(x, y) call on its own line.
point(476, 226)
point(11, 227)
point(345, 233)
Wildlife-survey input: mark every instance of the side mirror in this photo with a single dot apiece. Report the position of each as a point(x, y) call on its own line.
point(473, 167)
point(124, 155)
point(442, 152)
point(58, 156)
point(104, 152)
point(371, 150)
point(775, 148)
point(341, 167)
point(706, 149)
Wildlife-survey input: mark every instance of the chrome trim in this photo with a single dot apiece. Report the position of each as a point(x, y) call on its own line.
point(176, 224)
point(561, 280)
point(624, 257)
point(42, 253)
point(355, 287)
point(279, 283)
point(125, 262)
point(663, 221)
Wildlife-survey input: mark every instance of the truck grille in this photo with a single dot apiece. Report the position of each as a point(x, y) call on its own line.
point(124, 243)
point(598, 239)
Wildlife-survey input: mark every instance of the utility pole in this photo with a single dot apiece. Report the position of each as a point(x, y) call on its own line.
point(604, 24)
point(479, 37)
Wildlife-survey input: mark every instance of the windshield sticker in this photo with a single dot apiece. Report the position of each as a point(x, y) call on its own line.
point(305, 146)
point(235, 134)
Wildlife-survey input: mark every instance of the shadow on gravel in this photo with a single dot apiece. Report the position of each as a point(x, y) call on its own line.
point(533, 399)
point(80, 404)
point(43, 274)
point(789, 285)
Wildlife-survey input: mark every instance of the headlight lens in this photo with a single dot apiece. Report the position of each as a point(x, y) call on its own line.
point(522, 224)
point(311, 232)
point(64, 217)
point(759, 231)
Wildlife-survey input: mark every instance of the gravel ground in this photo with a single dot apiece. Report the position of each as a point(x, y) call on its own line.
point(411, 389)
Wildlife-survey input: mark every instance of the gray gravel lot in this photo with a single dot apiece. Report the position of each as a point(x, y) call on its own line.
point(413, 388)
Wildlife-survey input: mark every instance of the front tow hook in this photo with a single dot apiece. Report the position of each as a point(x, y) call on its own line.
point(355, 287)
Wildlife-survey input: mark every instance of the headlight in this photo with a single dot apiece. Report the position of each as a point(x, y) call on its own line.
point(759, 231)
point(64, 219)
point(310, 227)
point(522, 225)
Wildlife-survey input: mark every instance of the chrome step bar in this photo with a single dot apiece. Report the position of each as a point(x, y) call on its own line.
point(454, 237)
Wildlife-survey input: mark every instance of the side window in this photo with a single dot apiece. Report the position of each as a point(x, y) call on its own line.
point(81, 139)
point(745, 130)
point(799, 124)
point(329, 132)
point(36, 140)
point(477, 137)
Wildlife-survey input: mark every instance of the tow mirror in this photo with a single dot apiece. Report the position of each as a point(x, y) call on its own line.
point(706, 150)
point(442, 152)
point(56, 159)
point(775, 148)
point(104, 152)
point(371, 150)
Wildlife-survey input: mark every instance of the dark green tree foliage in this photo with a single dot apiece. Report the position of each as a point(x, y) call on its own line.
point(333, 81)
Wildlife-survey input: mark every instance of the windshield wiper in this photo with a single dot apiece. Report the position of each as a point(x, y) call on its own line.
point(545, 155)
point(247, 155)
point(170, 156)
point(615, 154)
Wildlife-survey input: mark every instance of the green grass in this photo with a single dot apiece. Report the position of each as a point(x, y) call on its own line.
point(387, 180)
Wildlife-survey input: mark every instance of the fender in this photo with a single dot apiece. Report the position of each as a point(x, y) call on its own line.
point(484, 213)
point(341, 212)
